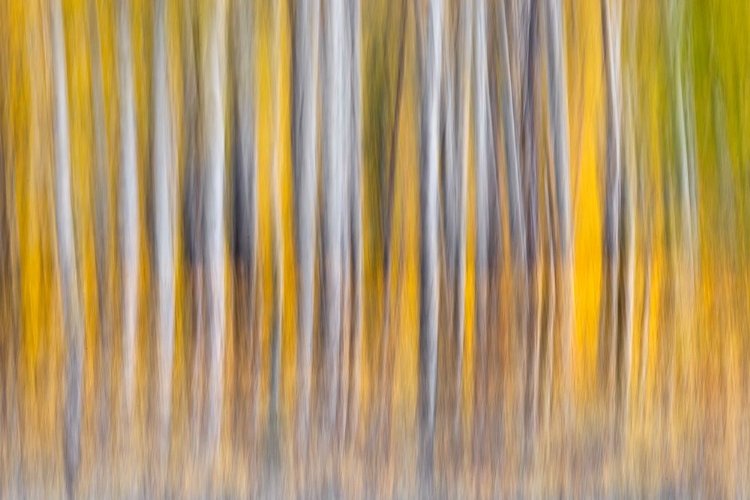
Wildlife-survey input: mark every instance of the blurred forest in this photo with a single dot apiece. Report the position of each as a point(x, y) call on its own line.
point(374, 248)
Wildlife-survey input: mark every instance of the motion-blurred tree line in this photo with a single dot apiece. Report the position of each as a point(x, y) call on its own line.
point(376, 248)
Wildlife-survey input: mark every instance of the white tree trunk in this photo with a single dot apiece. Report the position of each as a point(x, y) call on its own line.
point(213, 127)
point(485, 204)
point(305, 69)
point(557, 85)
point(66, 254)
point(510, 135)
point(278, 240)
point(336, 162)
point(164, 203)
point(461, 175)
point(429, 287)
point(128, 230)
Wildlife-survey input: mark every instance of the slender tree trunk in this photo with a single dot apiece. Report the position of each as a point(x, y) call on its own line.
point(630, 172)
point(245, 198)
point(529, 175)
point(463, 106)
point(212, 119)
point(101, 201)
point(304, 149)
point(608, 335)
point(128, 230)
point(164, 198)
point(551, 306)
point(278, 240)
point(510, 136)
point(67, 261)
point(429, 282)
point(336, 91)
point(557, 85)
point(356, 214)
point(486, 218)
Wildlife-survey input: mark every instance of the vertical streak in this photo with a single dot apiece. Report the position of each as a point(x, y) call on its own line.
point(128, 204)
point(278, 241)
point(101, 220)
point(429, 219)
point(608, 333)
point(464, 146)
point(334, 187)
point(531, 210)
point(164, 183)
point(66, 254)
point(245, 215)
point(630, 172)
point(486, 192)
point(557, 85)
point(304, 149)
point(213, 90)
point(356, 214)
point(515, 208)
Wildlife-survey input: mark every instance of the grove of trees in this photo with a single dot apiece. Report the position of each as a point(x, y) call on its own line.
point(374, 248)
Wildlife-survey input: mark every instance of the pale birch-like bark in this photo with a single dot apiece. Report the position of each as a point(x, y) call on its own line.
point(164, 201)
point(510, 136)
point(335, 96)
point(429, 281)
point(486, 246)
point(213, 90)
point(304, 150)
point(278, 240)
point(128, 228)
point(66, 255)
point(463, 140)
point(557, 86)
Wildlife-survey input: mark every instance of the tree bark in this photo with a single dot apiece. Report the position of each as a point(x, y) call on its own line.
point(101, 201)
point(429, 282)
point(335, 183)
point(356, 214)
point(304, 149)
point(608, 335)
point(128, 227)
point(164, 198)
point(245, 213)
point(278, 240)
point(213, 101)
point(487, 218)
point(67, 260)
point(463, 107)
point(557, 85)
